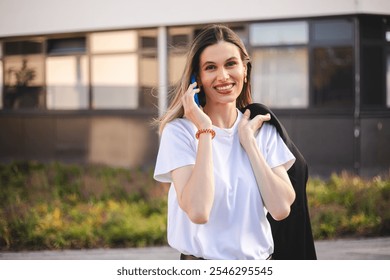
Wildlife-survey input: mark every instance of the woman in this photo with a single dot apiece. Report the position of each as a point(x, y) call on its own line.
point(226, 171)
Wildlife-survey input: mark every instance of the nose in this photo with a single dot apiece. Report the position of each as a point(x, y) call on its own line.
point(223, 75)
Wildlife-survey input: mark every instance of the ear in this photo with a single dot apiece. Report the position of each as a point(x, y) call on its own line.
point(245, 73)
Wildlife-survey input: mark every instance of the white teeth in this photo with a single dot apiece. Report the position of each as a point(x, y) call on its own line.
point(225, 87)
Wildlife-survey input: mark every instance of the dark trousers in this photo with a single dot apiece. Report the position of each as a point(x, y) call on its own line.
point(190, 257)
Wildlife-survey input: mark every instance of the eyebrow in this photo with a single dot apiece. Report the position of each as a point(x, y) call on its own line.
point(229, 59)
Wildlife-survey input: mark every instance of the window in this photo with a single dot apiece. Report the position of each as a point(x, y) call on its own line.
point(23, 75)
point(148, 69)
point(176, 62)
point(388, 65)
point(124, 69)
point(279, 33)
point(67, 82)
point(332, 61)
point(372, 28)
point(332, 30)
point(111, 42)
point(388, 78)
point(23, 47)
point(271, 66)
point(110, 70)
point(1, 77)
point(179, 40)
point(148, 40)
point(373, 62)
point(66, 45)
point(333, 77)
point(114, 70)
point(241, 31)
point(148, 81)
point(280, 64)
point(115, 81)
point(373, 71)
point(67, 74)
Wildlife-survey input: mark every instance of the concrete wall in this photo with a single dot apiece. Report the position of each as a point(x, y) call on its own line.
point(326, 142)
point(374, 145)
point(124, 140)
point(27, 17)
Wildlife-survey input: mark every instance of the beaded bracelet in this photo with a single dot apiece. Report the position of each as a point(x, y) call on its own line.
point(205, 130)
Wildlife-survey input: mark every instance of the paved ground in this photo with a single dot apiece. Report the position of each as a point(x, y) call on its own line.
point(343, 249)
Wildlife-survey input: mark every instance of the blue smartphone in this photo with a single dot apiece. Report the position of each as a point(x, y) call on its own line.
point(196, 97)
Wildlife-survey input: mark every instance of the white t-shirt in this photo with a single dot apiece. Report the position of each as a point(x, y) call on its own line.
point(237, 226)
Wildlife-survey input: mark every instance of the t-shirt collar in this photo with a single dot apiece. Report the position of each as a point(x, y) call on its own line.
point(229, 131)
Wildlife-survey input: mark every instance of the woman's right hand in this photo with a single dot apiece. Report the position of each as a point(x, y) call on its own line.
point(191, 110)
point(194, 184)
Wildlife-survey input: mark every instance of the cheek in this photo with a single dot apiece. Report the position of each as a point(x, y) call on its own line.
point(240, 73)
point(206, 81)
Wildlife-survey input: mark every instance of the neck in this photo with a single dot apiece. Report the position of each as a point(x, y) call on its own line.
point(222, 116)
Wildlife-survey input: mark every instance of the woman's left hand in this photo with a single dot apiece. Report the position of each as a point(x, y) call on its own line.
point(248, 128)
point(274, 184)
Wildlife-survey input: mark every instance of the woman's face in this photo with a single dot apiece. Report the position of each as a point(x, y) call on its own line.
point(221, 73)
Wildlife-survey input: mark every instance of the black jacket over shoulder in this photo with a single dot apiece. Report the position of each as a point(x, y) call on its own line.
point(293, 238)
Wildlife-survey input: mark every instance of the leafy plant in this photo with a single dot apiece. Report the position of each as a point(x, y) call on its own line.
point(347, 205)
point(59, 206)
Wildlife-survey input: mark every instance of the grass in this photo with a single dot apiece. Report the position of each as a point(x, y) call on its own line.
point(61, 206)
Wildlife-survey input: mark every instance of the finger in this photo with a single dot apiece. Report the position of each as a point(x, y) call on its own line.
point(245, 117)
point(266, 117)
point(193, 89)
point(188, 101)
point(189, 94)
point(247, 113)
point(258, 121)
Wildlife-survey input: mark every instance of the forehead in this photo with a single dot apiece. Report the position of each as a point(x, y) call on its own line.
point(219, 52)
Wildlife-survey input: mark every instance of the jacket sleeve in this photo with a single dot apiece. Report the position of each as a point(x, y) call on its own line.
point(293, 238)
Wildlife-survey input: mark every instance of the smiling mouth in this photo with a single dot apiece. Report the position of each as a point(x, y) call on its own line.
point(224, 87)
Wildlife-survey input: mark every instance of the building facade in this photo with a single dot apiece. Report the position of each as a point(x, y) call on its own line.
point(81, 81)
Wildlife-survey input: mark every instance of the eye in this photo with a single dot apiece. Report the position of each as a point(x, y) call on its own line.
point(231, 63)
point(209, 67)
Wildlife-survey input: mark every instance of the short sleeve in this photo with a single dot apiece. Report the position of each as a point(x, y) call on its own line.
point(275, 151)
point(177, 149)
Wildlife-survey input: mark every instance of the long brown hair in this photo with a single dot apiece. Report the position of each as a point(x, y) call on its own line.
point(208, 36)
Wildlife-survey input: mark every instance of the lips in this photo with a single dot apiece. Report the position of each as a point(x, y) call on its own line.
point(224, 87)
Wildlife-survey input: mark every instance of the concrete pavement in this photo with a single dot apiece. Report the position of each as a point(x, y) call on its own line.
point(342, 249)
point(354, 249)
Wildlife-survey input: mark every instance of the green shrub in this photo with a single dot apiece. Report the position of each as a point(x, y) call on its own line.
point(347, 205)
point(61, 206)
point(58, 206)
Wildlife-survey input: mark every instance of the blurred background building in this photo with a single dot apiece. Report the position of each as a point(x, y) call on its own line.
point(81, 80)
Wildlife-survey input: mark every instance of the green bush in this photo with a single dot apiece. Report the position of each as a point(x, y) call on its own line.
point(347, 205)
point(61, 206)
